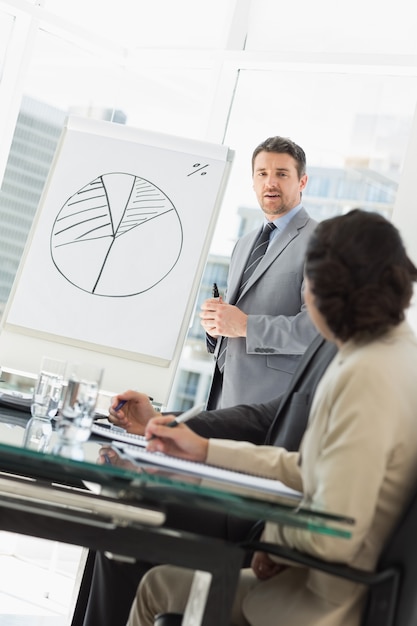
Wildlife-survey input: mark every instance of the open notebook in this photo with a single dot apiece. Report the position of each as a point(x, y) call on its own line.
point(205, 471)
point(114, 433)
point(134, 446)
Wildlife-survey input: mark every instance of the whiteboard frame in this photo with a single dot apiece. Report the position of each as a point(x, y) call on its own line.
point(21, 348)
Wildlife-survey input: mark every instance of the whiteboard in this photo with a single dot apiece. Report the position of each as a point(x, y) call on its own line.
point(114, 260)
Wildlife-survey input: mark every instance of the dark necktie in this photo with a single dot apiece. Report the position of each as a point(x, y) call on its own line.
point(258, 251)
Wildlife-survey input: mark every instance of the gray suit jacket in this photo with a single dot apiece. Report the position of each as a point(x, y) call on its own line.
point(279, 329)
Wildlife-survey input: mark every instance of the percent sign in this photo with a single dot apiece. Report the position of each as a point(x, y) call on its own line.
point(200, 167)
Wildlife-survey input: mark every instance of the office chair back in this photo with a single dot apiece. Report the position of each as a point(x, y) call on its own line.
point(400, 553)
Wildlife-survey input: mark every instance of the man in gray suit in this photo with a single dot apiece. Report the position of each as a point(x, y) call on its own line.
point(262, 328)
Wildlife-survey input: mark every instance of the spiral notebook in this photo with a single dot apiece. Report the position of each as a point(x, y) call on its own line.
point(202, 470)
point(114, 433)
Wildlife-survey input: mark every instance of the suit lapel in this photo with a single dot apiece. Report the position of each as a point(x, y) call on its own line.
point(275, 249)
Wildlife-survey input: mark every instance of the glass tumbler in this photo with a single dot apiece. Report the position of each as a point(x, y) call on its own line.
point(45, 402)
point(77, 413)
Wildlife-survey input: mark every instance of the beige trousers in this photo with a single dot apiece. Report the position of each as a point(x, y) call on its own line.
point(283, 600)
point(166, 589)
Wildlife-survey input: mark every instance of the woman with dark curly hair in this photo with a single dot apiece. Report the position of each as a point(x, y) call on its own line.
point(360, 275)
point(359, 454)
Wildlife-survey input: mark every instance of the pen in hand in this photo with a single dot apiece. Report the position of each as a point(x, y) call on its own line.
point(215, 291)
point(184, 417)
point(123, 402)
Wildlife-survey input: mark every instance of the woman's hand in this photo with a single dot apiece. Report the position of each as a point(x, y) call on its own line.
point(264, 567)
point(177, 441)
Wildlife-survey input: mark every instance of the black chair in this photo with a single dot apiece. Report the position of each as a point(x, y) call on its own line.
point(168, 619)
point(392, 595)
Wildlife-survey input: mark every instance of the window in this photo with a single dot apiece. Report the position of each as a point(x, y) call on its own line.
point(346, 93)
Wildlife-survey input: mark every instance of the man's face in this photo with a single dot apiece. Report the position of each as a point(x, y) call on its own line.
point(276, 183)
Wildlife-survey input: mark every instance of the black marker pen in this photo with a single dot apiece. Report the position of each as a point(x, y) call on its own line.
point(215, 291)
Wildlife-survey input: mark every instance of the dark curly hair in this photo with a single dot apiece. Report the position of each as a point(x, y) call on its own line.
point(360, 275)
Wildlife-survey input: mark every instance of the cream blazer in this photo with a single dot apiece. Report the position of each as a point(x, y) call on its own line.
point(359, 458)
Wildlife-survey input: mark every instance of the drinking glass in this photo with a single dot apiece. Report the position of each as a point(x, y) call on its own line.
point(48, 388)
point(77, 413)
point(45, 402)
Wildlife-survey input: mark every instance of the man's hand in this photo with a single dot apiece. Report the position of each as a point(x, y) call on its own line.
point(220, 319)
point(135, 413)
point(109, 456)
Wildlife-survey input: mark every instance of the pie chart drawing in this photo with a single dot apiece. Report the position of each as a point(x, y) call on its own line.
point(118, 236)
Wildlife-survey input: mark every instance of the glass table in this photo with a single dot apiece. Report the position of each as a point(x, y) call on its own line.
point(122, 509)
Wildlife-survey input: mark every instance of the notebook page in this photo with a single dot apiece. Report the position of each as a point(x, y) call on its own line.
point(203, 470)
